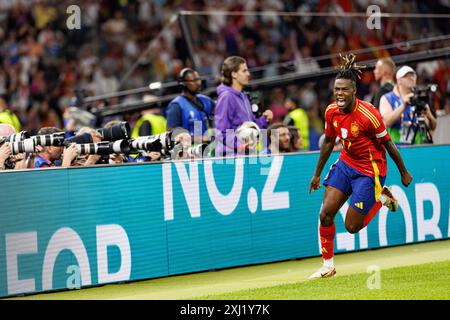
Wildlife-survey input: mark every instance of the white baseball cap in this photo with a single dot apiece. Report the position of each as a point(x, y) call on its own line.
point(403, 71)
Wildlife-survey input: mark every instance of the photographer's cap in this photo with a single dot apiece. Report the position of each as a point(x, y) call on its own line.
point(403, 71)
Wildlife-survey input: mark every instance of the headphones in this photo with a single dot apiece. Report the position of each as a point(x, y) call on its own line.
point(182, 75)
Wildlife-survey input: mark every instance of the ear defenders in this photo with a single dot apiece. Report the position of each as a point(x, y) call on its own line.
point(182, 75)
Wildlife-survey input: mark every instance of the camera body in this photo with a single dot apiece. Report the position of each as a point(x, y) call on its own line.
point(255, 100)
point(118, 132)
point(421, 96)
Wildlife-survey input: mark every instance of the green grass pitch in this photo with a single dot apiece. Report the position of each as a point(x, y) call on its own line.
point(416, 271)
point(425, 281)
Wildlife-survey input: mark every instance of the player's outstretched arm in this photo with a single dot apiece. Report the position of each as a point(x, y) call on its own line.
point(395, 155)
point(325, 151)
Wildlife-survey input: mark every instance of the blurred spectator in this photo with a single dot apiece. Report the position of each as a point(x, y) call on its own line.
point(278, 139)
point(277, 106)
point(6, 116)
point(42, 60)
point(151, 122)
point(296, 139)
point(299, 118)
point(384, 73)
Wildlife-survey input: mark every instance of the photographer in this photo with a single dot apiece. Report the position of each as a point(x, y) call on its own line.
point(8, 160)
point(49, 156)
point(5, 151)
point(190, 110)
point(117, 158)
point(398, 113)
point(91, 159)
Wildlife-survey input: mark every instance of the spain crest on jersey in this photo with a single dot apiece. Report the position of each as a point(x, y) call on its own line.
point(354, 129)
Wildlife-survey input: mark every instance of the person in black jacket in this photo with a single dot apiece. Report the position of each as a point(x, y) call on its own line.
point(384, 73)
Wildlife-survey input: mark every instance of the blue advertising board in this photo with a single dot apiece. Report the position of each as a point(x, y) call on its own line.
point(77, 227)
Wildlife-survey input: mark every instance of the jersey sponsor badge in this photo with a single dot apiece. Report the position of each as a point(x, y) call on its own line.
point(354, 129)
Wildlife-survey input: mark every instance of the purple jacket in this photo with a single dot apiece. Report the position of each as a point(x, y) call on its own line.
point(232, 109)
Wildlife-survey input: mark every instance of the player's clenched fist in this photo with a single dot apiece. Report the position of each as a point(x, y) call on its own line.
point(406, 178)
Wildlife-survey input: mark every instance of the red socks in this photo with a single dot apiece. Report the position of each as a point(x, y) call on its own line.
point(369, 216)
point(327, 233)
point(327, 240)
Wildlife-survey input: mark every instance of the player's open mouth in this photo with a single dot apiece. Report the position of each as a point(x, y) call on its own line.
point(340, 102)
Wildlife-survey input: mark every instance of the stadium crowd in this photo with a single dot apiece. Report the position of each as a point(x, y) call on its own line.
point(43, 64)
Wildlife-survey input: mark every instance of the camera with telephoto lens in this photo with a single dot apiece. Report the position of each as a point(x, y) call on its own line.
point(104, 148)
point(118, 132)
point(80, 139)
point(17, 145)
point(100, 148)
point(181, 152)
point(47, 140)
point(19, 142)
point(26, 145)
point(20, 136)
point(421, 96)
point(162, 143)
point(120, 146)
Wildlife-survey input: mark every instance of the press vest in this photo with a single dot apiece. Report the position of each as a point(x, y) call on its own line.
point(407, 116)
point(8, 117)
point(190, 113)
point(301, 121)
point(157, 122)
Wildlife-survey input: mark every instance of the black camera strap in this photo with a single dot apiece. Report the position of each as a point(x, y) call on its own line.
point(199, 106)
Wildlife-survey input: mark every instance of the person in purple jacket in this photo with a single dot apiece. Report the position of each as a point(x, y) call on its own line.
point(233, 106)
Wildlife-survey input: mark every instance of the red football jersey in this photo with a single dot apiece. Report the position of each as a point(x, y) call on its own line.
point(361, 132)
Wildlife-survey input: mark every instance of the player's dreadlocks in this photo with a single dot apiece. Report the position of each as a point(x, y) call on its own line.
point(349, 69)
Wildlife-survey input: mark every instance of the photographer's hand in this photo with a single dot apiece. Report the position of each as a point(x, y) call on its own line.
point(431, 120)
point(92, 159)
point(154, 156)
point(30, 161)
point(5, 152)
point(21, 161)
point(268, 114)
point(406, 99)
point(69, 154)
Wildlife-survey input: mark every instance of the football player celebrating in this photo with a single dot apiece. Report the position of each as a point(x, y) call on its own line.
point(361, 169)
